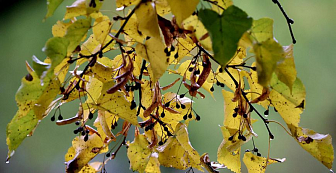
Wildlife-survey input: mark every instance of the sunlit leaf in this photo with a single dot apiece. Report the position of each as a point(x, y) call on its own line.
point(231, 159)
point(147, 19)
point(82, 7)
point(162, 7)
point(229, 106)
point(177, 151)
point(153, 165)
point(153, 51)
point(318, 145)
point(225, 31)
point(115, 104)
point(256, 164)
point(138, 153)
point(82, 152)
point(101, 28)
point(182, 11)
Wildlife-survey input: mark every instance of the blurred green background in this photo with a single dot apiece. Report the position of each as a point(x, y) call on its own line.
point(23, 34)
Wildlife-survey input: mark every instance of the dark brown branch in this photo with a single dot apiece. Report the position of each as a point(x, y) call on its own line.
point(289, 20)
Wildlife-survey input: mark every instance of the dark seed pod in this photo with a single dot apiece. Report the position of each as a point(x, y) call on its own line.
point(172, 48)
point(234, 115)
point(247, 150)
point(160, 143)
point(163, 114)
point(83, 133)
point(259, 154)
point(166, 50)
point(165, 128)
point(177, 106)
point(176, 55)
point(221, 70)
point(77, 123)
point(75, 131)
point(182, 95)
point(133, 105)
point(52, 118)
point(254, 68)
point(243, 138)
point(230, 138)
point(198, 118)
point(167, 104)
point(86, 137)
point(185, 117)
point(190, 69)
point(190, 115)
point(60, 117)
point(90, 115)
point(108, 154)
point(245, 115)
point(266, 113)
point(183, 106)
point(212, 89)
point(255, 150)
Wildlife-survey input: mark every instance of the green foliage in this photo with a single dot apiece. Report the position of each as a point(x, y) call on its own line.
point(126, 89)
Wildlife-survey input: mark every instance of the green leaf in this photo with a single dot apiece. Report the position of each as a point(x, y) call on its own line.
point(268, 54)
point(52, 6)
point(56, 50)
point(318, 145)
point(39, 66)
point(225, 31)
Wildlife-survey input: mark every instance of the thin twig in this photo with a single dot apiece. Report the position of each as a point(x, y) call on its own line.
point(289, 20)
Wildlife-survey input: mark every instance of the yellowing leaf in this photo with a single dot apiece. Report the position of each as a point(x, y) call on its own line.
point(285, 70)
point(52, 6)
point(256, 164)
point(82, 7)
point(268, 54)
point(262, 29)
point(87, 169)
point(153, 51)
point(76, 32)
point(33, 100)
point(138, 153)
point(318, 145)
point(183, 47)
point(131, 29)
point(182, 11)
point(82, 152)
point(147, 19)
point(56, 50)
point(126, 3)
point(231, 159)
point(59, 29)
point(177, 151)
point(115, 104)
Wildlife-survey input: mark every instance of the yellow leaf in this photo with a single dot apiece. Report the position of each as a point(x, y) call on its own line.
point(82, 7)
point(231, 159)
point(285, 70)
point(60, 28)
point(153, 165)
point(87, 169)
point(138, 153)
point(318, 145)
point(115, 104)
point(183, 47)
point(82, 152)
point(147, 19)
point(256, 164)
point(153, 51)
point(177, 151)
point(222, 3)
point(182, 11)
point(126, 3)
point(101, 28)
point(131, 29)
point(75, 33)
point(162, 7)
point(193, 24)
point(229, 106)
